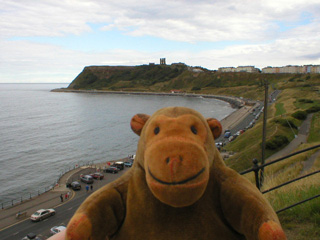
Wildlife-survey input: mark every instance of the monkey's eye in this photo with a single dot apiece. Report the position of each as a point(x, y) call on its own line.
point(194, 130)
point(156, 130)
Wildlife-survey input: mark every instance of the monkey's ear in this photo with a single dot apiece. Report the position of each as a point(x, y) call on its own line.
point(215, 127)
point(138, 121)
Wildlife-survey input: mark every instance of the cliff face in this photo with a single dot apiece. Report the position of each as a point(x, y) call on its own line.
point(123, 77)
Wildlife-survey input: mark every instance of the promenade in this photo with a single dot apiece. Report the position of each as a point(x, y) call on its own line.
point(50, 199)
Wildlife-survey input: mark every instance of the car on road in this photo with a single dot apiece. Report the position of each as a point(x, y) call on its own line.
point(31, 236)
point(227, 134)
point(128, 164)
point(86, 179)
point(57, 229)
point(119, 165)
point(111, 170)
point(42, 214)
point(75, 185)
point(97, 175)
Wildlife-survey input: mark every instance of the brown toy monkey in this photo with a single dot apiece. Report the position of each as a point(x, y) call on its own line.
point(177, 188)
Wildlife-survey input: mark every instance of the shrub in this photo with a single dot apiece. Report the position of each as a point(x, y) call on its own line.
point(276, 142)
point(285, 123)
point(195, 89)
point(303, 100)
point(313, 109)
point(301, 115)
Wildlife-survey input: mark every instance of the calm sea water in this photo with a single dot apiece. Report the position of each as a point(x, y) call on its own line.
point(42, 133)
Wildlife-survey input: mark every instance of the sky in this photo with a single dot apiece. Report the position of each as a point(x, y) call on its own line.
point(52, 41)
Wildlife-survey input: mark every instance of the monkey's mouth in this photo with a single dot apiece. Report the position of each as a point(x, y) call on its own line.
point(176, 182)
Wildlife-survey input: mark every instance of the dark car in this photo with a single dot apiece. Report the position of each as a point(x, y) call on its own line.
point(111, 170)
point(86, 179)
point(97, 175)
point(75, 185)
point(31, 236)
point(119, 165)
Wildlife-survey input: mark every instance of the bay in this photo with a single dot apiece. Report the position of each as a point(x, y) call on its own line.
point(43, 133)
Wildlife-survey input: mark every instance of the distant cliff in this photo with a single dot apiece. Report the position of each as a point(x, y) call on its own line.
point(163, 78)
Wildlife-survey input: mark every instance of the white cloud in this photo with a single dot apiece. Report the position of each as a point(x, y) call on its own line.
point(272, 32)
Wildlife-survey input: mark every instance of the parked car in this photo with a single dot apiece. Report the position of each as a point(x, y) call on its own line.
point(31, 236)
point(86, 179)
point(119, 165)
point(227, 134)
point(75, 185)
point(57, 229)
point(111, 170)
point(42, 214)
point(97, 175)
point(128, 164)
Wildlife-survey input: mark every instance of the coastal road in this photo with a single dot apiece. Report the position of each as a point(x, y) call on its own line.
point(63, 214)
point(243, 124)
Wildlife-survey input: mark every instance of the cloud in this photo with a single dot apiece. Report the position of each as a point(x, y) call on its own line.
point(224, 32)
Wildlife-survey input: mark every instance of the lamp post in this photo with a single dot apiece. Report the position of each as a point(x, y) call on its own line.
point(264, 129)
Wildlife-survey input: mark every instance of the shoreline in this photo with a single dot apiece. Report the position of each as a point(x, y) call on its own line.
point(242, 106)
point(235, 102)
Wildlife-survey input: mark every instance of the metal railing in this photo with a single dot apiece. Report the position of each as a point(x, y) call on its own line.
point(257, 169)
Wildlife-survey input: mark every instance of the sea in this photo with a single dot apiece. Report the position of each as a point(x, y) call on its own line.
point(43, 134)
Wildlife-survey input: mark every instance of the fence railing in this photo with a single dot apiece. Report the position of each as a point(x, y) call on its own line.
point(258, 173)
point(30, 195)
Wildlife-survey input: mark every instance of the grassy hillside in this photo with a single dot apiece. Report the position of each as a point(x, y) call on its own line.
point(301, 222)
point(156, 78)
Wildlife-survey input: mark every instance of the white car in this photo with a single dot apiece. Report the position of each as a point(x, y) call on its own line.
point(57, 229)
point(42, 214)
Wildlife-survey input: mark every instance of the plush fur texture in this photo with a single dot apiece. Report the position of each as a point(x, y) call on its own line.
point(177, 188)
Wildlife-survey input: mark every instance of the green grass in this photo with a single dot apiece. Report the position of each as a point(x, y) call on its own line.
point(314, 133)
point(279, 109)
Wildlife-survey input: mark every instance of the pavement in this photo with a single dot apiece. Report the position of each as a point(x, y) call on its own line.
point(50, 199)
point(298, 140)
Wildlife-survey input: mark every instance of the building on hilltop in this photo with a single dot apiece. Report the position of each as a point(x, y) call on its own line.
point(226, 69)
point(292, 69)
point(162, 61)
point(250, 69)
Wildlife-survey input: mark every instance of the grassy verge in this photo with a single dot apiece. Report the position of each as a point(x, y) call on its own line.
point(280, 109)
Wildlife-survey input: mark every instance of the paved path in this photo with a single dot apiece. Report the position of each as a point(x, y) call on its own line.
point(294, 144)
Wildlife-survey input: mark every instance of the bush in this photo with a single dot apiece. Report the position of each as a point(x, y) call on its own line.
point(286, 123)
point(276, 142)
point(301, 115)
point(313, 109)
point(305, 100)
point(195, 89)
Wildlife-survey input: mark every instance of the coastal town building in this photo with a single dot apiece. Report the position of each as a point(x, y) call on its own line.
point(285, 69)
point(292, 69)
point(249, 69)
